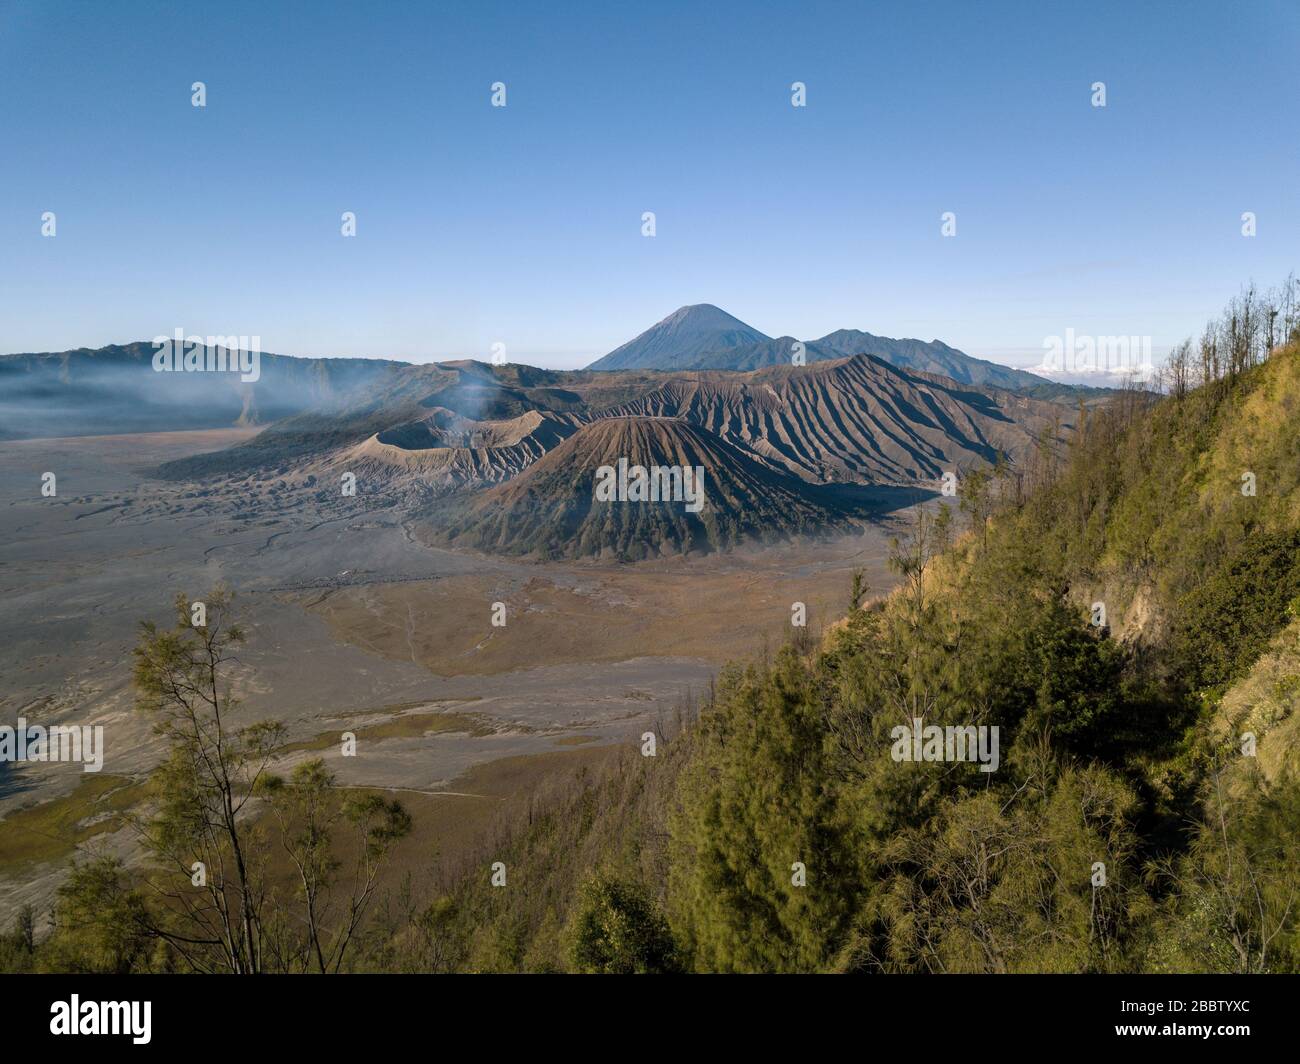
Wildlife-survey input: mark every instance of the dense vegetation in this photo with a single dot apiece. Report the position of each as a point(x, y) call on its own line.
point(1145, 813)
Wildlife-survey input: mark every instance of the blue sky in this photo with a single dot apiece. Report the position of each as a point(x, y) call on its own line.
point(522, 225)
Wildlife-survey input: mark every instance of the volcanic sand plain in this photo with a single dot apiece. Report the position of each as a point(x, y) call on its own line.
point(353, 625)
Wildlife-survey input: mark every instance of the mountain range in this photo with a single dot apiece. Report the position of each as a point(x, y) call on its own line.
point(502, 458)
point(706, 337)
point(114, 389)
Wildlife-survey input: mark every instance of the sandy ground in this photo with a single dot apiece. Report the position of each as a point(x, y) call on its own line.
point(348, 617)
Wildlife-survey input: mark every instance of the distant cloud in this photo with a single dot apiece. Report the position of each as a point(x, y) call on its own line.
point(1096, 378)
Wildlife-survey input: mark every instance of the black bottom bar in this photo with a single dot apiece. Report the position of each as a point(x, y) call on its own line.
point(500, 1012)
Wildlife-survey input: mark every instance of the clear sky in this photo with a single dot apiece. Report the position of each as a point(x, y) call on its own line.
point(522, 224)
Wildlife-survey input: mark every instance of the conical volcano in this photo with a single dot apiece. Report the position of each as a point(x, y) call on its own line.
point(681, 339)
point(561, 506)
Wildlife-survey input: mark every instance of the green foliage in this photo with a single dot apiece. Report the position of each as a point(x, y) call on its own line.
point(1234, 892)
point(1009, 884)
point(754, 805)
point(100, 923)
point(1227, 619)
point(619, 930)
point(1079, 692)
point(18, 945)
point(310, 815)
